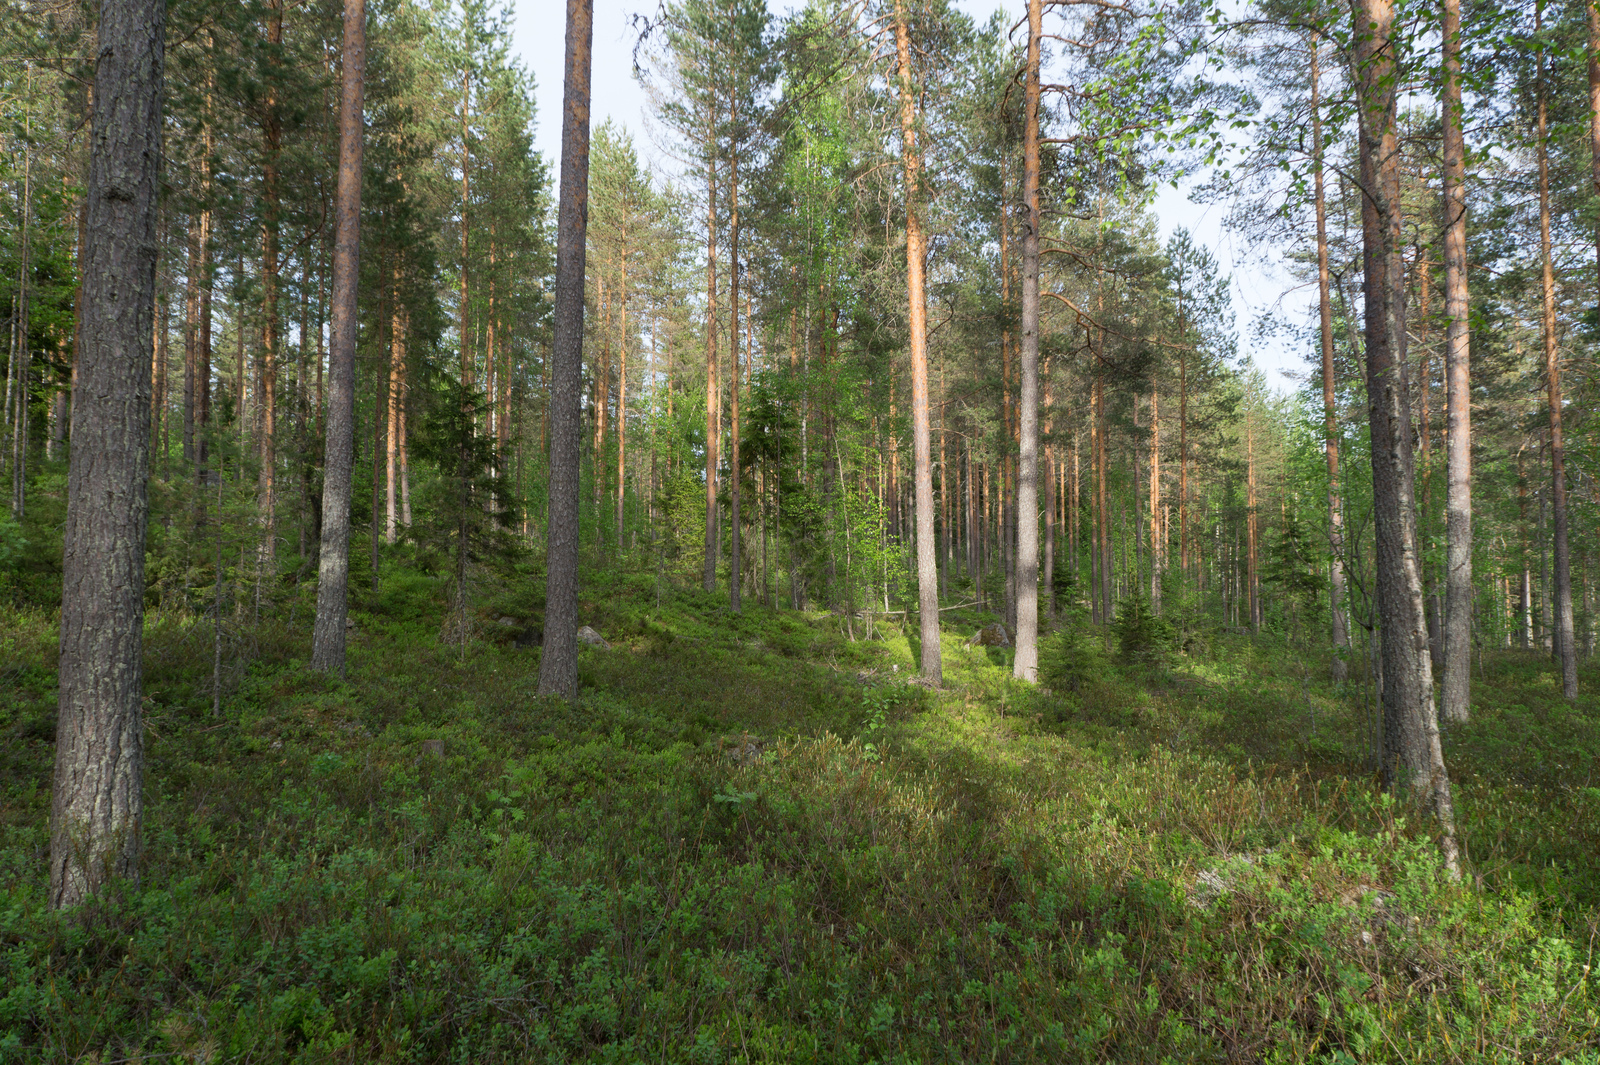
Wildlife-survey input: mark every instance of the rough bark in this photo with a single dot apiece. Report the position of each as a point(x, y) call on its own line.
point(622, 393)
point(932, 661)
point(558, 665)
point(333, 567)
point(713, 392)
point(1412, 756)
point(1026, 664)
point(1340, 632)
point(1560, 598)
point(1457, 687)
point(397, 363)
point(267, 388)
point(735, 553)
point(96, 803)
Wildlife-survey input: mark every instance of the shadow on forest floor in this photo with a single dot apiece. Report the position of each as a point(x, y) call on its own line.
point(755, 839)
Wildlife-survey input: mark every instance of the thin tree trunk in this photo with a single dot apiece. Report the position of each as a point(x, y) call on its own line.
point(1158, 539)
point(24, 349)
point(267, 392)
point(96, 809)
point(1252, 522)
point(1457, 694)
point(1330, 433)
point(1026, 663)
point(333, 566)
point(1412, 753)
point(558, 665)
point(736, 553)
point(463, 315)
point(1561, 593)
point(713, 396)
point(397, 361)
point(622, 394)
point(191, 334)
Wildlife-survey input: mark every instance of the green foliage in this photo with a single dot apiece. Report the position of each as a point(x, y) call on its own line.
point(13, 543)
point(1142, 635)
point(749, 826)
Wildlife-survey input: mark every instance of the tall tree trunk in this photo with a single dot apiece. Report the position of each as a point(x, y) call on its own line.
point(397, 362)
point(97, 807)
point(558, 665)
point(622, 393)
point(713, 394)
point(1252, 519)
point(24, 348)
point(932, 661)
point(1183, 446)
point(736, 554)
point(1412, 753)
point(191, 333)
point(1026, 663)
point(1457, 692)
point(463, 315)
point(1158, 537)
point(202, 371)
point(1330, 432)
point(333, 566)
point(267, 391)
point(1561, 593)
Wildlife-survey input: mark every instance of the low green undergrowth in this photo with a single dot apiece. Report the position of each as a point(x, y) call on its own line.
point(753, 839)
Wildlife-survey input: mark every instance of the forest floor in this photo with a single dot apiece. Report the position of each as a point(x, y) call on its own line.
point(752, 840)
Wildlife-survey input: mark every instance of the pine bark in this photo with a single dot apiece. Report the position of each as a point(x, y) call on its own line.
point(558, 664)
point(713, 393)
point(1026, 663)
point(1560, 598)
point(96, 803)
point(736, 553)
point(932, 661)
point(333, 566)
point(1412, 756)
point(1340, 633)
point(1457, 686)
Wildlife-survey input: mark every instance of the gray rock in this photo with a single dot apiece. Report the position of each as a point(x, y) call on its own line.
point(592, 638)
point(991, 636)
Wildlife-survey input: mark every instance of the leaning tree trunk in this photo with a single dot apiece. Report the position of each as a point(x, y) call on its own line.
point(1412, 754)
point(333, 568)
point(1566, 649)
point(921, 433)
point(1026, 665)
point(558, 665)
point(1458, 389)
point(96, 804)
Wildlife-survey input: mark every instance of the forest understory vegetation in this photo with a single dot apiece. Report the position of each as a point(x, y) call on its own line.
point(753, 838)
point(836, 573)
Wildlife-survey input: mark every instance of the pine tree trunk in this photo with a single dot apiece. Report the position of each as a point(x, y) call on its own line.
point(1340, 633)
point(97, 806)
point(558, 664)
point(1457, 691)
point(267, 389)
point(333, 565)
point(1252, 561)
point(736, 552)
point(1566, 650)
point(1026, 663)
point(1412, 756)
point(932, 661)
point(397, 361)
point(713, 395)
point(622, 394)
point(1158, 539)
